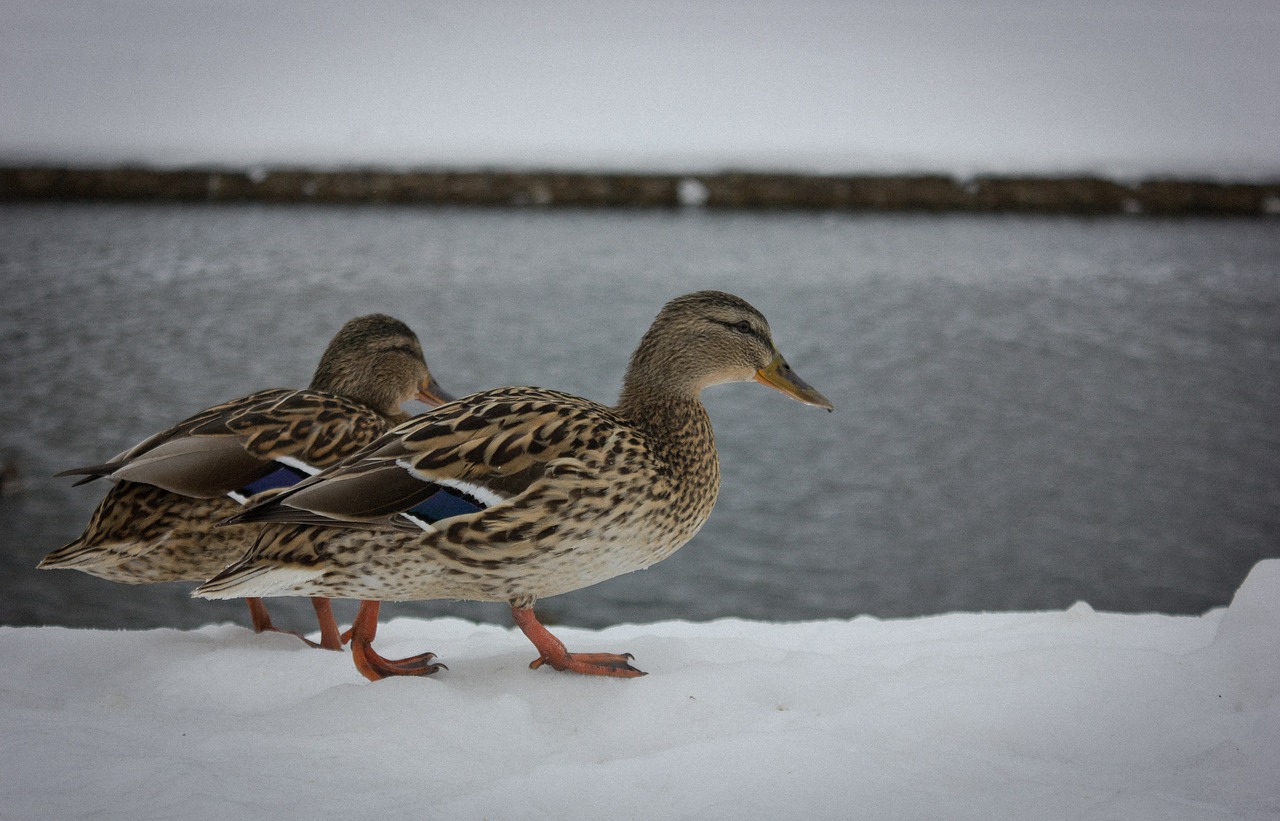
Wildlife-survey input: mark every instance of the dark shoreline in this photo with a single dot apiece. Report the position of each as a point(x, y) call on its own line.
point(740, 190)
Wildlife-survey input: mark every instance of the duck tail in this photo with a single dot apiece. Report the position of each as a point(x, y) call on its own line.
point(253, 579)
point(79, 555)
point(88, 474)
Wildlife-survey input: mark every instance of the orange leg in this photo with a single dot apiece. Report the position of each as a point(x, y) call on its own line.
point(374, 666)
point(554, 653)
point(329, 639)
point(261, 618)
point(324, 614)
point(345, 638)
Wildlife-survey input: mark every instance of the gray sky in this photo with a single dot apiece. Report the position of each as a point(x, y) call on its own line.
point(1136, 88)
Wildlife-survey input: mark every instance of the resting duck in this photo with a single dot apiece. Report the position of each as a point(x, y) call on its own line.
point(515, 494)
point(158, 522)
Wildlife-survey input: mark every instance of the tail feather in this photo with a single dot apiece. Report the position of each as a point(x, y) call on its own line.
point(89, 473)
point(252, 579)
point(80, 554)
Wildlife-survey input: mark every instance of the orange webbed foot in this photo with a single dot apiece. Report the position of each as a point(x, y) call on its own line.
point(592, 664)
point(374, 666)
point(555, 654)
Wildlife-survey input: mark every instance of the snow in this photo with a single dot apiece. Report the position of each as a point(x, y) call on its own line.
point(1074, 714)
point(1120, 89)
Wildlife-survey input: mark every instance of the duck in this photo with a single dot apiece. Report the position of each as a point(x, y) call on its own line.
point(516, 494)
point(158, 521)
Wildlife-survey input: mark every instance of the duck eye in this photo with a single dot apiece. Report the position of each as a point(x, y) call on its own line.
point(742, 326)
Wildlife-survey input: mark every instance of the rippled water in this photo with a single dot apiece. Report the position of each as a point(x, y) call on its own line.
point(1029, 411)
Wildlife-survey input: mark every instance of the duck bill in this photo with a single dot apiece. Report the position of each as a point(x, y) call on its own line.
point(430, 393)
point(779, 376)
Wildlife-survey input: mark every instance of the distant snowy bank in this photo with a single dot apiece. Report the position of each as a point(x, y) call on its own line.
point(1072, 714)
point(929, 193)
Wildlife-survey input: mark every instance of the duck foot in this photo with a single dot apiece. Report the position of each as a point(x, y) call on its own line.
point(329, 639)
point(375, 667)
point(554, 652)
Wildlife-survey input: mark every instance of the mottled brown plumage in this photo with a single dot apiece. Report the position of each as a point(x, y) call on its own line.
point(566, 492)
point(157, 523)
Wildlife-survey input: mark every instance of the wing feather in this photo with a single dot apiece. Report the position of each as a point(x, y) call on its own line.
point(229, 446)
point(489, 448)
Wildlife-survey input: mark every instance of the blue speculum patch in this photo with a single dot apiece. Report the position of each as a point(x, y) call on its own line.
point(444, 504)
point(282, 476)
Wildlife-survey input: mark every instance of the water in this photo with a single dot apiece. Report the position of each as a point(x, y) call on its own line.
point(1029, 411)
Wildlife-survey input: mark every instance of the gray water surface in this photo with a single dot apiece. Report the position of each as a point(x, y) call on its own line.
point(1029, 411)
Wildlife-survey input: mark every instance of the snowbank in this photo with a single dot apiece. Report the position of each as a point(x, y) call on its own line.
point(1073, 714)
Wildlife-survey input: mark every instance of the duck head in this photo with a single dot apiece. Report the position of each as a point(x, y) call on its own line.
point(378, 361)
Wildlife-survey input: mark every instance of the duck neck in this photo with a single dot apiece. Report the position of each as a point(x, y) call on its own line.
point(677, 426)
point(361, 387)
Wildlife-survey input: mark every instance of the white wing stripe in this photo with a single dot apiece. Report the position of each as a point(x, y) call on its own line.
point(480, 493)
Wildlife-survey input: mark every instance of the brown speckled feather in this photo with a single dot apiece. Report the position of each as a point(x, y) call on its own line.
point(142, 534)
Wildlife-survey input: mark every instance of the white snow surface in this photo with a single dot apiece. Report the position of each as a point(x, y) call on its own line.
point(1138, 88)
point(1055, 715)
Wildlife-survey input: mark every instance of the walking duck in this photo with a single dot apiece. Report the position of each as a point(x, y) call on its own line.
point(514, 494)
point(158, 522)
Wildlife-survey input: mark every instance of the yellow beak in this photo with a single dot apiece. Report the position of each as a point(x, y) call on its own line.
point(778, 375)
point(430, 393)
